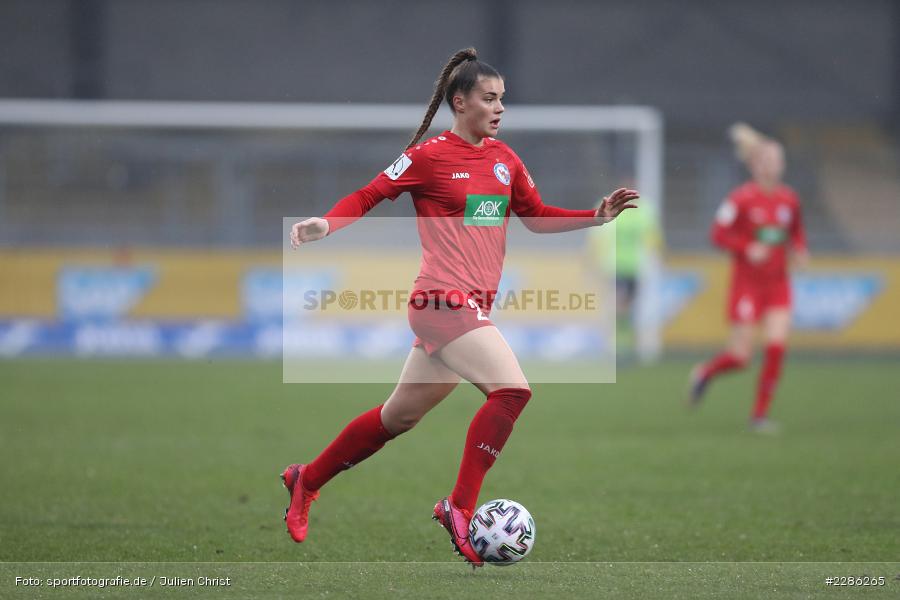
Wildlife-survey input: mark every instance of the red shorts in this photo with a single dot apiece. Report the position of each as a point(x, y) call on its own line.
point(748, 303)
point(436, 324)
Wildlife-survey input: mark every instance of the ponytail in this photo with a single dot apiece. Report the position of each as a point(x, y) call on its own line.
point(459, 74)
point(746, 140)
point(751, 146)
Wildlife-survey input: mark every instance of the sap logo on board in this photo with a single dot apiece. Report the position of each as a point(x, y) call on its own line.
point(832, 301)
point(102, 292)
point(677, 290)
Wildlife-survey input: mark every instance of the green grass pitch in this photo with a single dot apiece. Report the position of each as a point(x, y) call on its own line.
point(159, 468)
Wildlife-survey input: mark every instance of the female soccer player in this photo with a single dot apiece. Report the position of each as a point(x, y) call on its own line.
point(464, 184)
point(758, 223)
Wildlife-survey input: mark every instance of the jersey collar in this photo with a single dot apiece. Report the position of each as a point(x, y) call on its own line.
point(461, 142)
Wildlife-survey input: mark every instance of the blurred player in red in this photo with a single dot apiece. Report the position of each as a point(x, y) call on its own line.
point(464, 184)
point(759, 223)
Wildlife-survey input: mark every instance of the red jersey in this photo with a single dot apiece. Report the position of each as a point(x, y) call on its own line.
point(463, 196)
point(751, 214)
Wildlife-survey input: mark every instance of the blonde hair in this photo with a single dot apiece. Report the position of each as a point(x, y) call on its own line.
point(747, 141)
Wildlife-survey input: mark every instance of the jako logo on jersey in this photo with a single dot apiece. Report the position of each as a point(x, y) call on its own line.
point(485, 210)
point(501, 171)
point(758, 215)
point(493, 452)
point(398, 167)
point(460, 176)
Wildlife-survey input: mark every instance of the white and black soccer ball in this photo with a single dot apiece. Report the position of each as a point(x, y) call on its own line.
point(502, 532)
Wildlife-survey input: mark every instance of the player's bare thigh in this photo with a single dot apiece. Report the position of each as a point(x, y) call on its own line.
point(777, 325)
point(740, 343)
point(424, 382)
point(483, 357)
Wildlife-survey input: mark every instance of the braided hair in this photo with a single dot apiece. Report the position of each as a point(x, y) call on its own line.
point(460, 74)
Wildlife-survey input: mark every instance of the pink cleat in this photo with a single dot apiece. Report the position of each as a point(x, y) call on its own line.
point(297, 514)
point(456, 522)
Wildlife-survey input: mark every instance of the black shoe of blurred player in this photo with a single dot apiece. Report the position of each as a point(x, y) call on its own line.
point(696, 386)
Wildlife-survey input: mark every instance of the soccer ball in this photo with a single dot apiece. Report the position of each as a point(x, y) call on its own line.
point(502, 532)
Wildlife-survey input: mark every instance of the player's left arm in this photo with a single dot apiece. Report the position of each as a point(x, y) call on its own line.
point(799, 247)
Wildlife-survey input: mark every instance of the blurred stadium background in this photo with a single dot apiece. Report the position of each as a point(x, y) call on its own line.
point(133, 239)
point(149, 152)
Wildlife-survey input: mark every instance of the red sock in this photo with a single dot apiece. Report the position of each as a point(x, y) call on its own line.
point(487, 434)
point(361, 438)
point(724, 362)
point(768, 379)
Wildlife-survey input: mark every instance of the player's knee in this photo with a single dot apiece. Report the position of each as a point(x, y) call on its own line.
point(742, 357)
point(778, 337)
point(407, 422)
point(741, 352)
point(397, 424)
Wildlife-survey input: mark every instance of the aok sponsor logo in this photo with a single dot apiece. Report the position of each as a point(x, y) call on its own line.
point(485, 210)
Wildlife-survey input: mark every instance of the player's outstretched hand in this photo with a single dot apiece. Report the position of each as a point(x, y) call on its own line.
point(309, 230)
point(800, 259)
point(615, 203)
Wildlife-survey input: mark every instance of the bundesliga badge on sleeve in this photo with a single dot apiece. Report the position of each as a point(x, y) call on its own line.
point(398, 167)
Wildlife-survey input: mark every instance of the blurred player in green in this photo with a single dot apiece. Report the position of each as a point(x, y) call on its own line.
point(623, 250)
